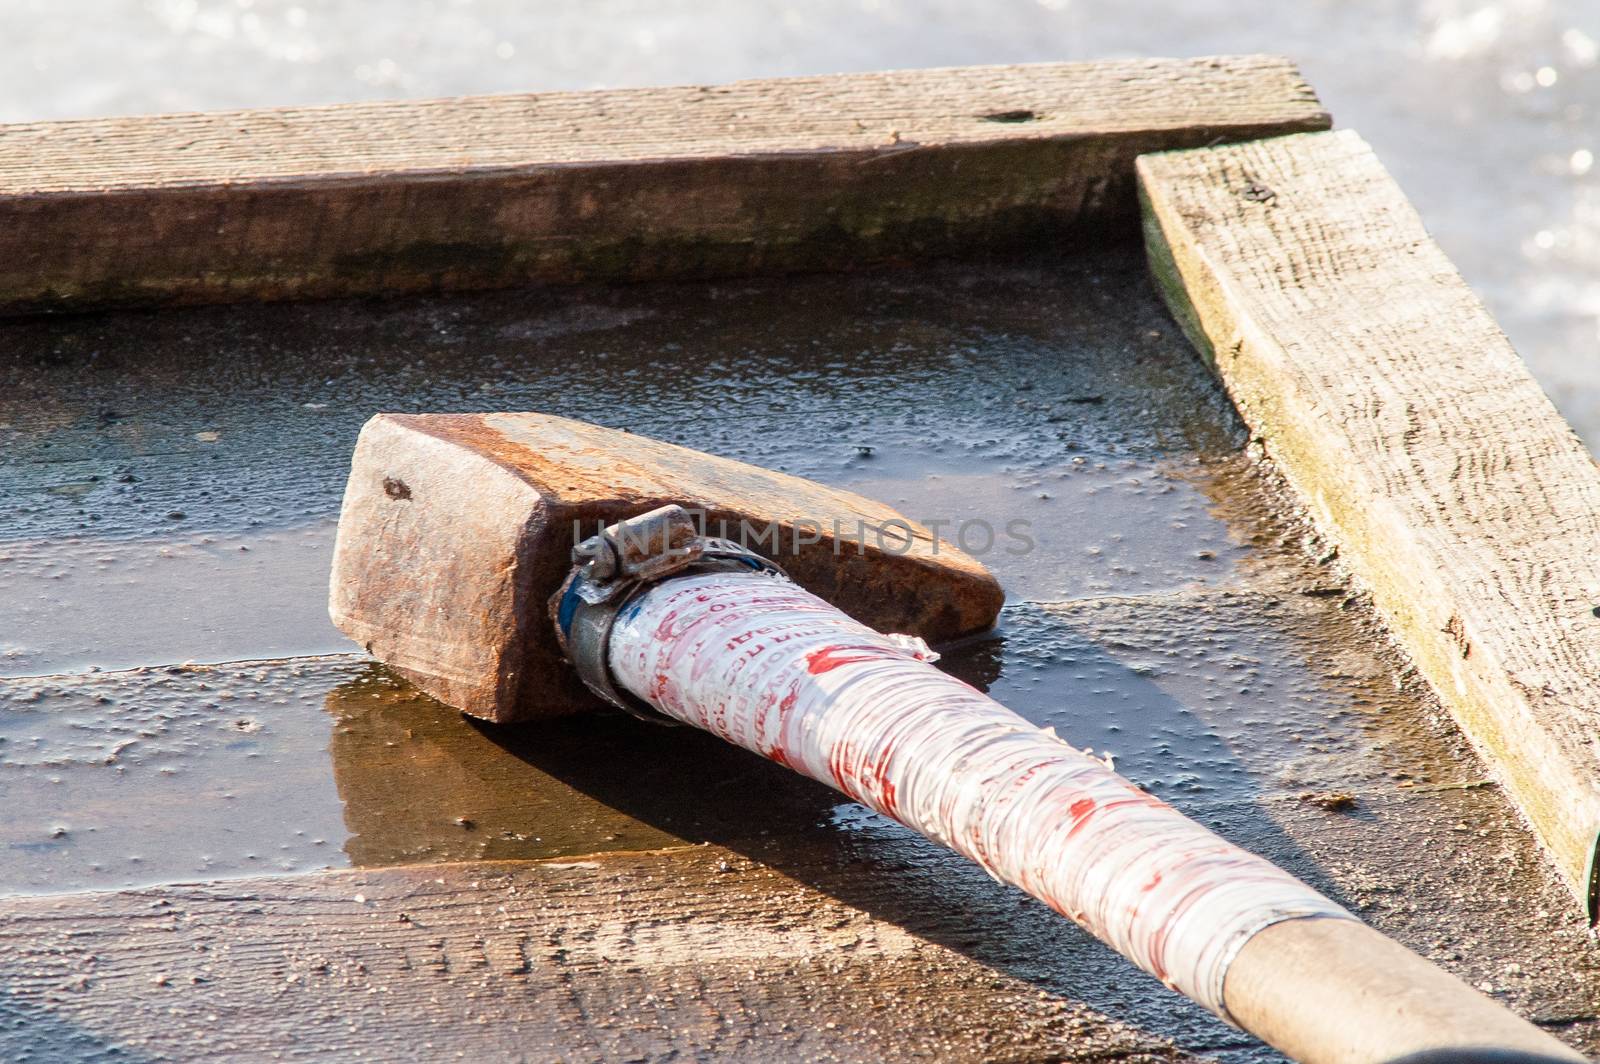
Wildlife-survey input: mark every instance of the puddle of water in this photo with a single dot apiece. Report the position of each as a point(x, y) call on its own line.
point(1093, 527)
point(218, 772)
point(419, 782)
point(131, 778)
point(80, 604)
point(121, 779)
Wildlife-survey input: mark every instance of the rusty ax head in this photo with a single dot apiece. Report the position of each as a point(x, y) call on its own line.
point(457, 529)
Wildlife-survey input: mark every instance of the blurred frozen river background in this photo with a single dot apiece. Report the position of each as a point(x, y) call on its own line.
point(1488, 113)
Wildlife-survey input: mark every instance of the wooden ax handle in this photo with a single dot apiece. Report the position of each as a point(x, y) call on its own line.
point(1338, 992)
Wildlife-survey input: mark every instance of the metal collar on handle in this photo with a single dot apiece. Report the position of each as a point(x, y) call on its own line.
point(618, 564)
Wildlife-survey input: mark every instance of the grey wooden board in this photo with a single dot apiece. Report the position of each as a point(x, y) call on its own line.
point(838, 112)
point(1418, 439)
point(801, 173)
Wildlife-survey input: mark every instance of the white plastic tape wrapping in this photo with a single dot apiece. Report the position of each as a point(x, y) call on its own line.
point(764, 664)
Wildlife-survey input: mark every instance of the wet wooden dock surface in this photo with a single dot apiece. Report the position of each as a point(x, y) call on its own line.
point(368, 872)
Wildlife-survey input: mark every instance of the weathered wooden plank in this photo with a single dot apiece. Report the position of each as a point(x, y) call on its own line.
point(905, 953)
point(782, 175)
point(458, 528)
point(1387, 394)
point(693, 953)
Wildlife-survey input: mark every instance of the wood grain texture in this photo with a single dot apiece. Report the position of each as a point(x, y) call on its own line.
point(1383, 389)
point(1445, 869)
point(801, 173)
point(688, 954)
point(1376, 1001)
point(457, 530)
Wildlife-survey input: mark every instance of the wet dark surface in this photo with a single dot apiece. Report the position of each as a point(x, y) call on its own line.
point(167, 774)
point(173, 479)
point(1174, 614)
point(1056, 394)
point(123, 779)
